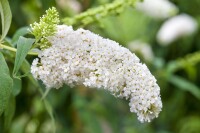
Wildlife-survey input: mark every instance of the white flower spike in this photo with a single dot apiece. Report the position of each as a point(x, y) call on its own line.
point(82, 57)
point(175, 28)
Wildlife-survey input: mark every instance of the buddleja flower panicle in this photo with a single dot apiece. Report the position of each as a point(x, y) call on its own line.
point(81, 57)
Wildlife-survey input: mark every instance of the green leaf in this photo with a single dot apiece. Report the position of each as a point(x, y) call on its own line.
point(185, 85)
point(25, 68)
point(17, 86)
point(50, 112)
point(23, 47)
point(20, 32)
point(9, 112)
point(6, 83)
point(6, 17)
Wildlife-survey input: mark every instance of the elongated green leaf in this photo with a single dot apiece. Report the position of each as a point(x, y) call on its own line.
point(6, 17)
point(20, 32)
point(50, 112)
point(23, 46)
point(26, 69)
point(6, 83)
point(185, 85)
point(9, 112)
point(17, 86)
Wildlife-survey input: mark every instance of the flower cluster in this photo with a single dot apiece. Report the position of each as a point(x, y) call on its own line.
point(82, 57)
point(46, 27)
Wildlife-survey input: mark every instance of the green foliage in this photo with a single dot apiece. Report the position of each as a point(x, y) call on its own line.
point(190, 125)
point(96, 14)
point(6, 17)
point(50, 112)
point(20, 32)
point(23, 47)
point(6, 83)
point(185, 85)
point(17, 86)
point(189, 60)
point(9, 112)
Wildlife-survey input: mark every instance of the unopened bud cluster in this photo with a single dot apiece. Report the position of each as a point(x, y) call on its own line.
point(45, 27)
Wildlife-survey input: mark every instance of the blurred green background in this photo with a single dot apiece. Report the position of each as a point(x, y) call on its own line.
point(84, 110)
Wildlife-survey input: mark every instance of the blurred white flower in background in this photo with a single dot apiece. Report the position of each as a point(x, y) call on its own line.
point(175, 28)
point(143, 49)
point(72, 4)
point(159, 9)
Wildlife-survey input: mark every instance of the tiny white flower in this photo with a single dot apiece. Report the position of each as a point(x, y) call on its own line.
point(175, 28)
point(159, 9)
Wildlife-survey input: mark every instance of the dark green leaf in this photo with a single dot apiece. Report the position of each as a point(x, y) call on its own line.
point(26, 69)
point(17, 86)
point(9, 112)
point(6, 83)
point(6, 17)
point(185, 85)
point(23, 47)
point(20, 32)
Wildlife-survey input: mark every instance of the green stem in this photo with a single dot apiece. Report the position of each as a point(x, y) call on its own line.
point(98, 13)
point(15, 50)
point(189, 60)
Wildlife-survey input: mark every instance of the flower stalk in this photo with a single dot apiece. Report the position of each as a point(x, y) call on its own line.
point(95, 14)
point(15, 50)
